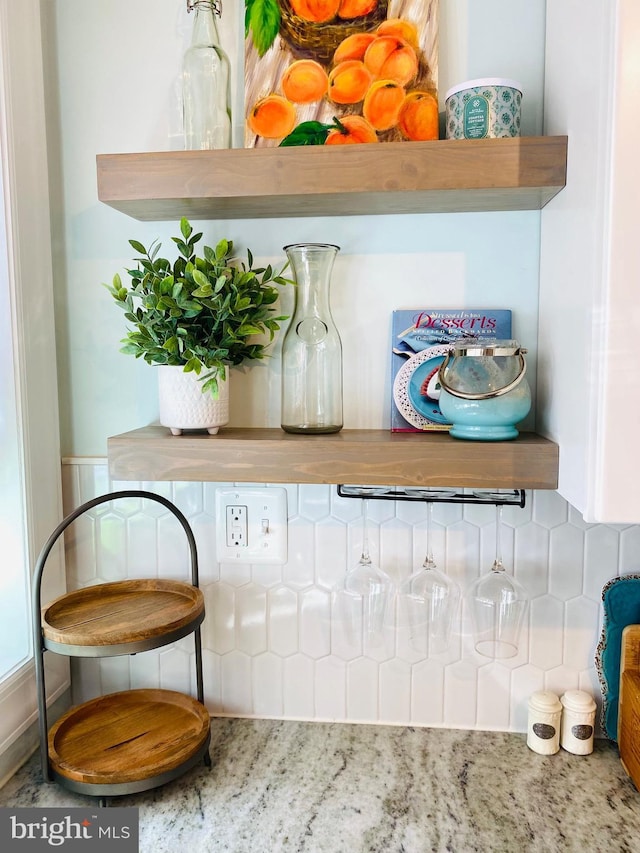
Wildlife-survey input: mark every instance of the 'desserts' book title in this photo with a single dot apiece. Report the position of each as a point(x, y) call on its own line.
point(420, 339)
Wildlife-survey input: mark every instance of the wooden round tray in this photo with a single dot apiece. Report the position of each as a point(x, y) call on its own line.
point(122, 617)
point(128, 741)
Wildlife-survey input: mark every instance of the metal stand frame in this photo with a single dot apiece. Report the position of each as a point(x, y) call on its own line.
point(40, 647)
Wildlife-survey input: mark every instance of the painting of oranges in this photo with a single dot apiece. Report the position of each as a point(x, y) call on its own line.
point(340, 72)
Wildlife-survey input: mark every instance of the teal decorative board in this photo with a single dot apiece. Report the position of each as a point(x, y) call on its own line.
point(621, 600)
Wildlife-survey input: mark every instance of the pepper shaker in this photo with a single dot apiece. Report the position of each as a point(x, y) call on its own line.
point(578, 718)
point(543, 728)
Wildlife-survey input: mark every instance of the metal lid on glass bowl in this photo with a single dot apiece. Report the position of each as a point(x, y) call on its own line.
point(486, 347)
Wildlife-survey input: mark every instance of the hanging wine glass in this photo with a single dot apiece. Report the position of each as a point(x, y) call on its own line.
point(367, 589)
point(429, 602)
point(498, 604)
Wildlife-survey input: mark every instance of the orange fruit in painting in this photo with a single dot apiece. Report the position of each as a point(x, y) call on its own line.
point(318, 11)
point(382, 104)
point(356, 8)
point(272, 117)
point(304, 81)
point(348, 82)
point(400, 28)
point(391, 58)
point(418, 117)
point(354, 130)
point(353, 47)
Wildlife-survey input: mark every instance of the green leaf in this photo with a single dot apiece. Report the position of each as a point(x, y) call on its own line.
point(185, 228)
point(200, 279)
point(307, 133)
point(182, 247)
point(222, 249)
point(247, 16)
point(166, 285)
point(171, 345)
point(192, 306)
point(129, 349)
point(138, 247)
point(248, 329)
point(203, 292)
point(264, 23)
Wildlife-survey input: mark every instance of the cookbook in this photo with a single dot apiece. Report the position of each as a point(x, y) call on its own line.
point(420, 339)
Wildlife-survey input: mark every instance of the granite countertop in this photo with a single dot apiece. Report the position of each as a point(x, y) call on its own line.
point(340, 788)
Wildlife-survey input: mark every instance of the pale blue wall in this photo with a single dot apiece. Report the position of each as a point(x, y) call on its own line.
point(112, 86)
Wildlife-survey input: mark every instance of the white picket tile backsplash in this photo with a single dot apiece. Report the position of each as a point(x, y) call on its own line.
point(273, 641)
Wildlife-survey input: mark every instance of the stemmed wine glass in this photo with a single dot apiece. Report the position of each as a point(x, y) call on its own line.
point(367, 590)
point(429, 602)
point(498, 604)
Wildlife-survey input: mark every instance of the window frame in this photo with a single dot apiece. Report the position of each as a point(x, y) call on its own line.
point(28, 230)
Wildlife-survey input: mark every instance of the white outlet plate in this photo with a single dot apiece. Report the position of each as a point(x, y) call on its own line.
point(251, 525)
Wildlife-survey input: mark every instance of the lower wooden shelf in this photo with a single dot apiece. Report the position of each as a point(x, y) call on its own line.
point(127, 742)
point(351, 456)
point(124, 617)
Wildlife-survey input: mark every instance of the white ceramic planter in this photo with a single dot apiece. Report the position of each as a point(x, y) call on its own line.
point(184, 406)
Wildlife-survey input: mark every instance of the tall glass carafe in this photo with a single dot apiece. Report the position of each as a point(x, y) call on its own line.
point(312, 350)
point(205, 82)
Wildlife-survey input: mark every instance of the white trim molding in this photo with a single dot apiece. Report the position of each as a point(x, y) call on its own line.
point(26, 187)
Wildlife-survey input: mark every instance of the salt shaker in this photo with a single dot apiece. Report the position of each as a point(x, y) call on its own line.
point(543, 728)
point(578, 718)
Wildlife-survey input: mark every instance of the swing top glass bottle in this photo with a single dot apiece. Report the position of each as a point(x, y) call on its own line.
point(205, 82)
point(312, 350)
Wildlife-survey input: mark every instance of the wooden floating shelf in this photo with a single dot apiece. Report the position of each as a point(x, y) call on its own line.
point(443, 176)
point(368, 457)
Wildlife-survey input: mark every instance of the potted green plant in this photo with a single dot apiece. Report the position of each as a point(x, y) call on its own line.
point(194, 318)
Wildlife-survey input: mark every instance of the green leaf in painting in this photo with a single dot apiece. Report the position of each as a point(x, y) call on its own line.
point(247, 16)
point(264, 23)
point(307, 133)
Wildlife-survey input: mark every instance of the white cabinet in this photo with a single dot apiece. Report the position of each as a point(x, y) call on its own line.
point(589, 367)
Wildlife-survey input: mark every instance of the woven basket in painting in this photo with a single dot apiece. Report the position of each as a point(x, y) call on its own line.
point(319, 40)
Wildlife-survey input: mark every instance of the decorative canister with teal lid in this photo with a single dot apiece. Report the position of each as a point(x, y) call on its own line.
point(486, 108)
point(484, 392)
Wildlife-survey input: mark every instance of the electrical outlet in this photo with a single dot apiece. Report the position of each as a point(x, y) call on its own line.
point(236, 526)
point(251, 525)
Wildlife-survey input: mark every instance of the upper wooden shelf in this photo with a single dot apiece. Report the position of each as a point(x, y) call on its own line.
point(351, 456)
point(444, 176)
